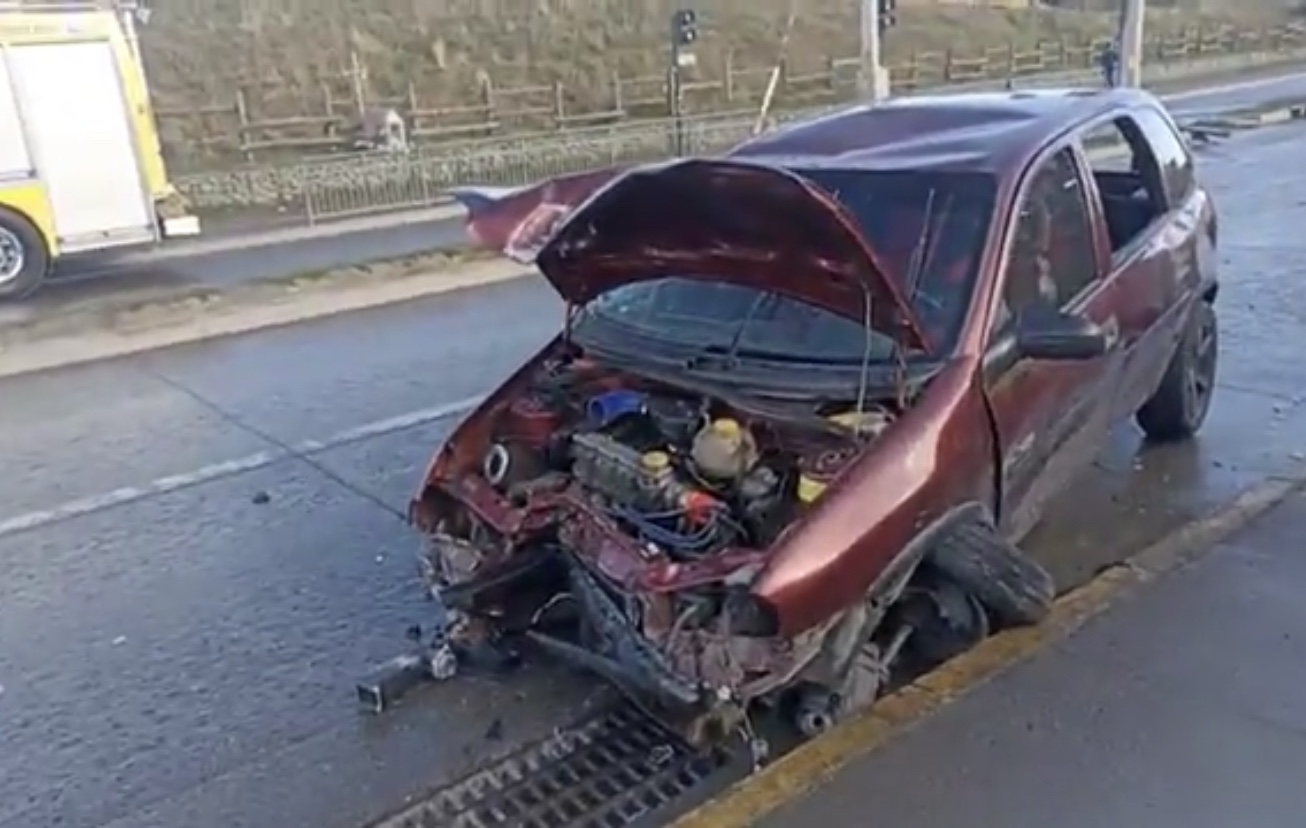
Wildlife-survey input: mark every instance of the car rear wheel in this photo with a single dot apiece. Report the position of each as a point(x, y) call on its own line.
point(24, 258)
point(1179, 405)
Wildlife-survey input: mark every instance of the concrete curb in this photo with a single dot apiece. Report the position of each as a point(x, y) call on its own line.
point(195, 318)
point(803, 771)
point(291, 234)
point(1258, 119)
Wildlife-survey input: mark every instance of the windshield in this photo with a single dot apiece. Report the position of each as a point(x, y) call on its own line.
point(933, 262)
point(734, 318)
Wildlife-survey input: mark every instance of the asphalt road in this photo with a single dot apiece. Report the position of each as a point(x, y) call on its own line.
point(249, 264)
point(174, 651)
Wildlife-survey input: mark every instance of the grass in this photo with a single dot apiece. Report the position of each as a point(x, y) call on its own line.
point(197, 50)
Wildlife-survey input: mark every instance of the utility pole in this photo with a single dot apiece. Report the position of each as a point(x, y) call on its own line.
point(873, 78)
point(1131, 42)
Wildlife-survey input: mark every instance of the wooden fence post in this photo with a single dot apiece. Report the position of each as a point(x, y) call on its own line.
point(328, 102)
point(357, 76)
point(728, 75)
point(618, 93)
point(559, 104)
point(491, 101)
point(242, 123)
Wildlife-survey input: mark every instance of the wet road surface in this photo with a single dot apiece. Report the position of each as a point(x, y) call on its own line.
point(201, 549)
point(76, 276)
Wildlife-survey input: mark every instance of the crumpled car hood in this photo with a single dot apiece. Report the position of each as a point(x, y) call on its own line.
point(716, 219)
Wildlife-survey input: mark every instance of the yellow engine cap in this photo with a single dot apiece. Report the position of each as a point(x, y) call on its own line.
point(726, 427)
point(847, 419)
point(656, 460)
point(810, 489)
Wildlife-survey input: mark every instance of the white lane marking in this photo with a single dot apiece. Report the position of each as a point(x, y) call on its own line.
point(228, 468)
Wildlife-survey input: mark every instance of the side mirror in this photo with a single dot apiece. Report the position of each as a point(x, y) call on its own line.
point(1054, 335)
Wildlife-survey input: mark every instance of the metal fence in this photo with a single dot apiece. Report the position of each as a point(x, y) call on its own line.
point(367, 184)
point(262, 121)
point(252, 128)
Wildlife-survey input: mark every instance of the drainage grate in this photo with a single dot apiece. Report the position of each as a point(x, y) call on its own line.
point(606, 772)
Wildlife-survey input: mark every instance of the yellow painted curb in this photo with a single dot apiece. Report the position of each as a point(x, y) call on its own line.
point(803, 771)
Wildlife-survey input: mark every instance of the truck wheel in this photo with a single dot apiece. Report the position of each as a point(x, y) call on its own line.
point(1178, 407)
point(1014, 589)
point(24, 258)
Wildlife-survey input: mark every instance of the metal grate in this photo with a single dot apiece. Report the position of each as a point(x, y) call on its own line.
point(606, 772)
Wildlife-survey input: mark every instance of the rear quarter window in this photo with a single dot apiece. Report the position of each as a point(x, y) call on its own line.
point(1171, 152)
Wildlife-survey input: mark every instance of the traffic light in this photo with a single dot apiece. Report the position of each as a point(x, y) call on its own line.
point(888, 18)
point(684, 27)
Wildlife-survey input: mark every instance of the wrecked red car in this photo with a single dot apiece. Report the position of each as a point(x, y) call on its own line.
point(809, 396)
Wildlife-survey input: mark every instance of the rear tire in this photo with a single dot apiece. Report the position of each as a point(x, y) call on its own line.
point(1178, 407)
point(24, 257)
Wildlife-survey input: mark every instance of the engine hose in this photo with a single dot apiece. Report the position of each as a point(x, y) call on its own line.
point(679, 541)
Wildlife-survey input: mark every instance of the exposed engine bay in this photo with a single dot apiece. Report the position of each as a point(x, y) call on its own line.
point(617, 523)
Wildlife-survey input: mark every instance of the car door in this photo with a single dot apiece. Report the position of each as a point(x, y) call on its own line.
point(1155, 236)
point(1050, 417)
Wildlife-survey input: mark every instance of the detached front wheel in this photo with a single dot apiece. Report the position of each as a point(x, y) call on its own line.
point(1180, 403)
point(24, 257)
point(1014, 589)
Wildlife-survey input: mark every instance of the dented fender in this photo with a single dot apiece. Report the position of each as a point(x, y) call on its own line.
point(930, 461)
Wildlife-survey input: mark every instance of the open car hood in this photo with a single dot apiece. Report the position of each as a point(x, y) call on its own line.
point(719, 220)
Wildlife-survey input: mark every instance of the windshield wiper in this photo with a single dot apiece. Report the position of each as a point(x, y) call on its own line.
point(717, 356)
point(729, 355)
point(916, 267)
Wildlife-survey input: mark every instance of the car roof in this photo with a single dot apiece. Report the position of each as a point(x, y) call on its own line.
point(988, 132)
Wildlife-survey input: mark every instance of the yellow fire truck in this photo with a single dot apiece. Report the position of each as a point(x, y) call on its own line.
point(80, 162)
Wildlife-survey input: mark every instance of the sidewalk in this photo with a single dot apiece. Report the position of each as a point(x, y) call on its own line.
point(1184, 706)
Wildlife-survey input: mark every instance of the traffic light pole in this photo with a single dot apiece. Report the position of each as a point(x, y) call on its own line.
point(684, 33)
point(675, 102)
point(873, 78)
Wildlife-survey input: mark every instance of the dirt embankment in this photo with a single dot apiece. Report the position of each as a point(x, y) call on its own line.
point(197, 50)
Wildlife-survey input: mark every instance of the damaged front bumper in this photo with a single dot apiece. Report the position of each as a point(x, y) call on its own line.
point(683, 638)
point(617, 651)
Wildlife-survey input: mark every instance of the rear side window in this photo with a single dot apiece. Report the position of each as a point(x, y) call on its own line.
point(1131, 186)
point(1171, 153)
point(1108, 150)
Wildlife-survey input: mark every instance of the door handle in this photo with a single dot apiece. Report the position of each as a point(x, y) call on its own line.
point(1111, 333)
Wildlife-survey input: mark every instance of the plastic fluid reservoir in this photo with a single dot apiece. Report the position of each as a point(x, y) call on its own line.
point(661, 484)
point(607, 408)
point(656, 463)
point(656, 466)
point(870, 422)
point(818, 472)
point(724, 449)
